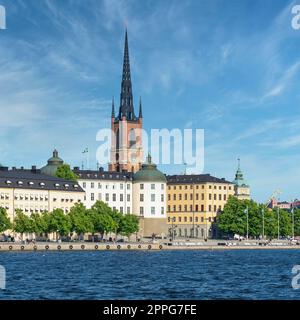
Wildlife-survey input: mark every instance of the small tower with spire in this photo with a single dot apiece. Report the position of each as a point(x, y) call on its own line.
point(241, 188)
point(126, 152)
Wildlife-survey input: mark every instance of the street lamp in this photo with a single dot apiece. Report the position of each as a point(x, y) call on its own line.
point(278, 235)
point(263, 223)
point(293, 221)
point(206, 232)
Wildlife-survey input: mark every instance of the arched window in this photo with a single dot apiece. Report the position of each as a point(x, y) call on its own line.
point(132, 138)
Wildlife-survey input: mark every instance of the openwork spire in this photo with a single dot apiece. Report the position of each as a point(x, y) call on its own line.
point(126, 99)
point(113, 108)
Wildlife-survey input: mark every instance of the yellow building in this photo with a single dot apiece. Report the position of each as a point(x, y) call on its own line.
point(33, 192)
point(193, 202)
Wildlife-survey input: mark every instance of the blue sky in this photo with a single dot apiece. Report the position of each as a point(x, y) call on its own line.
point(230, 67)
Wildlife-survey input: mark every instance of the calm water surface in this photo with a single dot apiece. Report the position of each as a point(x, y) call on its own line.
point(150, 275)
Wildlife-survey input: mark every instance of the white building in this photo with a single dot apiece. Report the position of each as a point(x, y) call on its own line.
point(113, 188)
point(149, 200)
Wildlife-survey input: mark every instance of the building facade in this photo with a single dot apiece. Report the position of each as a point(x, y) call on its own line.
point(126, 150)
point(193, 203)
point(113, 188)
point(149, 200)
point(241, 188)
point(33, 192)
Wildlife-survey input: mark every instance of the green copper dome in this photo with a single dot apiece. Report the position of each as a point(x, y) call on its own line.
point(239, 178)
point(149, 173)
point(53, 163)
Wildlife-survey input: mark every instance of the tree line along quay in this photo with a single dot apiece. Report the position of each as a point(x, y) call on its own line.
point(245, 218)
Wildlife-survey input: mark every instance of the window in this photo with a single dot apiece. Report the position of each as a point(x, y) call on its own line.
point(84, 185)
point(185, 219)
point(128, 210)
point(92, 196)
point(128, 186)
point(162, 211)
point(202, 219)
point(99, 185)
point(92, 185)
point(179, 219)
point(141, 211)
point(220, 197)
point(107, 197)
point(121, 197)
point(169, 197)
point(179, 207)
point(196, 219)
point(162, 186)
point(141, 197)
point(191, 196)
point(152, 210)
point(202, 207)
point(121, 186)
point(162, 198)
point(224, 197)
point(114, 197)
point(209, 208)
point(197, 208)
point(185, 207)
point(209, 197)
point(215, 208)
point(174, 208)
point(191, 207)
point(152, 186)
point(215, 197)
point(180, 196)
point(152, 197)
point(174, 196)
point(141, 186)
point(191, 219)
point(185, 196)
point(169, 208)
point(202, 196)
point(197, 196)
point(121, 209)
point(128, 197)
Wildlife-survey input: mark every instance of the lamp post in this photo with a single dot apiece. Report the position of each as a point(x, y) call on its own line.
point(278, 229)
point(293, 221)
point(173, 227)
point(206, 228)
point(247, 213)
point(263, 223)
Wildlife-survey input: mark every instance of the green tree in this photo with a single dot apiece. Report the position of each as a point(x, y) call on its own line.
point(59, 223)
point(5, 222)
point(39, 223)
point(64, 171)
point(80, 219)
point(22, 223)
point(297, 222)
point(101, 216)
point(129, 225)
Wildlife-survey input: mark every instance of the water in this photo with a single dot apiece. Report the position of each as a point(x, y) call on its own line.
point(240, 274)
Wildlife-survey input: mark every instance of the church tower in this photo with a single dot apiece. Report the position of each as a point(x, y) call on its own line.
point(241, 188)
point(126, 144)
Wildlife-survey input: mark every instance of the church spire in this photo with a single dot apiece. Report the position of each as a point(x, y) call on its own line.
point(140, 109)
point(113, 107)
point(126, 99)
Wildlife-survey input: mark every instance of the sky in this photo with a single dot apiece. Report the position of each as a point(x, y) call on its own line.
point(231, 68)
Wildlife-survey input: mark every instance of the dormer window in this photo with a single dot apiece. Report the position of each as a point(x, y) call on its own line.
point(67, 185)
point(8, 182)
point(76, 186)
point(42, 184)
point(31, 183)
point(57, 185)
point(20, 183)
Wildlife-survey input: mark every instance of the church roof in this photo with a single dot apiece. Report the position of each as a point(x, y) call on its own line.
point(53, 163)
point(239, 177)
point(149, 173)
